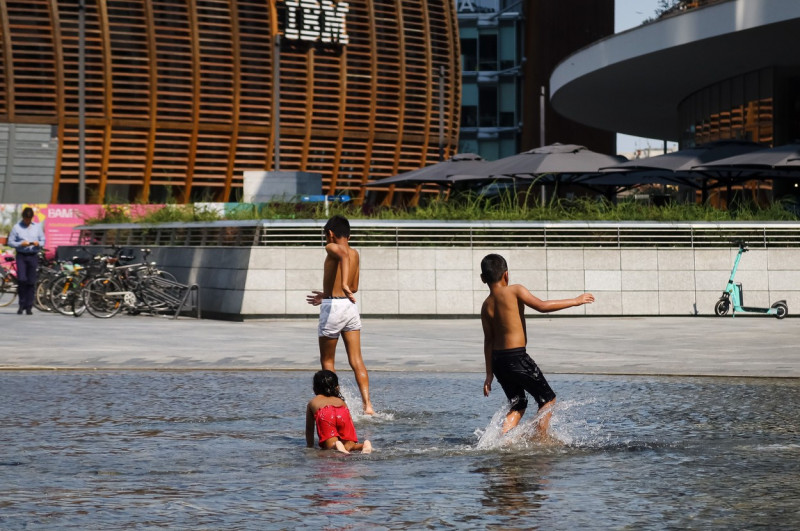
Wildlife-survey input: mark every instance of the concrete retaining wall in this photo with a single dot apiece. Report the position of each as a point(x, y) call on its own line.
point(269, 281)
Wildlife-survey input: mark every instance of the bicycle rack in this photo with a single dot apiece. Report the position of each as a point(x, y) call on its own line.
point(175, 295)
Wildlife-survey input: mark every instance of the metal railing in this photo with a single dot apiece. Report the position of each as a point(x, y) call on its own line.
point(372, 233)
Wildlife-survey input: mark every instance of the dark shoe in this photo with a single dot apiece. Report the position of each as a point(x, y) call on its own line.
point(29, 312)
point(19, 312)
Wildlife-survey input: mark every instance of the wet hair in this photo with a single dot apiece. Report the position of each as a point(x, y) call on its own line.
point(493, 266)
point(326, 383)
point(27, 212)
point(339, 225)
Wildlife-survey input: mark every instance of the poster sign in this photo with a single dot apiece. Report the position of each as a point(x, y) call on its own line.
point(60, 221)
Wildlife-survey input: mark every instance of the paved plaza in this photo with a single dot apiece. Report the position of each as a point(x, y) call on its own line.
point(721, 346)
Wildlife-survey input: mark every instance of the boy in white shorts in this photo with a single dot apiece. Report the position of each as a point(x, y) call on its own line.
point(338, 311)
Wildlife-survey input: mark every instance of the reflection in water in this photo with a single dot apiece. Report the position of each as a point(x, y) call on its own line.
point(226, 450)
point(515, 484)
point(338, 491)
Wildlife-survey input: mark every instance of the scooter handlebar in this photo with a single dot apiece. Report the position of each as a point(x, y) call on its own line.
point(741, 244)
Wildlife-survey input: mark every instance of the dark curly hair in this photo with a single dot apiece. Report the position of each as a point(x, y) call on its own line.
point(339, 225)
point(326, 383)
point(493, 267)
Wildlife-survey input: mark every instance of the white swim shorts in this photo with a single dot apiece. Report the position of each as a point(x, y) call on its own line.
point(336, 316)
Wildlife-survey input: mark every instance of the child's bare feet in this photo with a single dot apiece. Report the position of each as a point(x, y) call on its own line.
point(340, 447)
point(368, 409)
point(367, 448)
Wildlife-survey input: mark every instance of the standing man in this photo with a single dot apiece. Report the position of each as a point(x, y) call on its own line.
point(28, 239)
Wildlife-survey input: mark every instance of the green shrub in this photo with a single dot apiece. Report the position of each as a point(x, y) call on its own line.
point(463, 207)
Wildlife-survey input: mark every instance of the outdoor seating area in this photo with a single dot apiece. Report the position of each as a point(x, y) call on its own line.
point(721, 172)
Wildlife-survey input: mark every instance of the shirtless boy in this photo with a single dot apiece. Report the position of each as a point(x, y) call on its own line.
point(505, 337)
point(338, 311)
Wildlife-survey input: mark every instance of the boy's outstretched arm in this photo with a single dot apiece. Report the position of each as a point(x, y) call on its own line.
point(532, 301)
point(488, 340)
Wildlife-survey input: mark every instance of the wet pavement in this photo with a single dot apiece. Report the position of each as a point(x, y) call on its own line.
point(719, 346)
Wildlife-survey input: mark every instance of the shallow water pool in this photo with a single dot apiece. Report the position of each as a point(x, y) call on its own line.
point(226, 449)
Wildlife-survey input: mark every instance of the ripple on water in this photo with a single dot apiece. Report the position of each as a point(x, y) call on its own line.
point(227, 450)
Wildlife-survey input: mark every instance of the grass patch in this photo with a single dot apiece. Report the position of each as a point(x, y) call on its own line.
point(464, 207)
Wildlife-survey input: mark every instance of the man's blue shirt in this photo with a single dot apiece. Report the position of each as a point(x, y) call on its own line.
point(32, 233)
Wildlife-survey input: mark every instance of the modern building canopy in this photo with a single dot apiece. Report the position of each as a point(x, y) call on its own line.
point(635, 82)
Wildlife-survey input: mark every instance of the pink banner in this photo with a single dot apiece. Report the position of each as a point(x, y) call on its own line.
point(60, 221)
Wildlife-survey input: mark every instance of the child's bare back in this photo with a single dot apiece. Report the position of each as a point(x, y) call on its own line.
point(504, 314)
point(340, 271)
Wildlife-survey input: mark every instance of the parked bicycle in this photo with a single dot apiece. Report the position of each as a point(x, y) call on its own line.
point(8, 279)
point(66, 289)
point(131, 287)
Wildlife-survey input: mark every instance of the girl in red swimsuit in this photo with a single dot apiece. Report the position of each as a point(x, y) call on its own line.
point(328, 413)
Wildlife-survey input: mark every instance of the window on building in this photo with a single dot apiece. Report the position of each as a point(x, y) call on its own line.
point(469, 116)
point(508, 103)
point(487, 105)
point(508, 55)
point(469, 55)
point(469, 105)
point(507, 119)
point(740, 107)
point(487, 52)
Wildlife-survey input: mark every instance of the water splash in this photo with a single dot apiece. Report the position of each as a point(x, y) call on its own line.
point(574, 426)
point(569, 426)
point(353, 398)
point(492, 436)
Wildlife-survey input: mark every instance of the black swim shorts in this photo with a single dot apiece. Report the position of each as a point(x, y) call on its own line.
point(517, 373)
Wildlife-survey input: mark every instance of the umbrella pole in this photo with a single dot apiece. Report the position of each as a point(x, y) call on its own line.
point(728, 192)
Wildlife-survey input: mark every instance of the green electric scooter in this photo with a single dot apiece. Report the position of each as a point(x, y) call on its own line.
point(733, 295)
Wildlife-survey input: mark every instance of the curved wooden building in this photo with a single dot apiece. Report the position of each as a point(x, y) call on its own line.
point(179, 94)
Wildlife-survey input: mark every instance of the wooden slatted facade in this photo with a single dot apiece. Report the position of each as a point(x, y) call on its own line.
point(179, 93)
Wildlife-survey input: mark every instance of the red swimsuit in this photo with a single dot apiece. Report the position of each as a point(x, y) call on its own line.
point(335, 421)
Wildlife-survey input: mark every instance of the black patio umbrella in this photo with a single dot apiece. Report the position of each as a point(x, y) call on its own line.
point(781, 158)
point(545, 165)
point(678, 167)
point(775, 164)
point(463, 163)
point(555, 159)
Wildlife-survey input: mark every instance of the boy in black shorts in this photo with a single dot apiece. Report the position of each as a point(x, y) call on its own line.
point(505, 338)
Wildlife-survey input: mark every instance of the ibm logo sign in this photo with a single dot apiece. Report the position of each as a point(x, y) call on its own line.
point(312, 20)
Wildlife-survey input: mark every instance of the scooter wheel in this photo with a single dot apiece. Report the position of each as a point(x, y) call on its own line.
point(722, 307)
point(781, 310)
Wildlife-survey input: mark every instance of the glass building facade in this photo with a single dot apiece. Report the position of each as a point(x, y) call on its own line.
point(761, 106)
point(492, 51)
point(741, 107)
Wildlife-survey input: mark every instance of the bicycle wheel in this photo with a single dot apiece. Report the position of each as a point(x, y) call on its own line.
point(103, 297)
point(65, 296)
point(42, 296)
point(8, 290)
